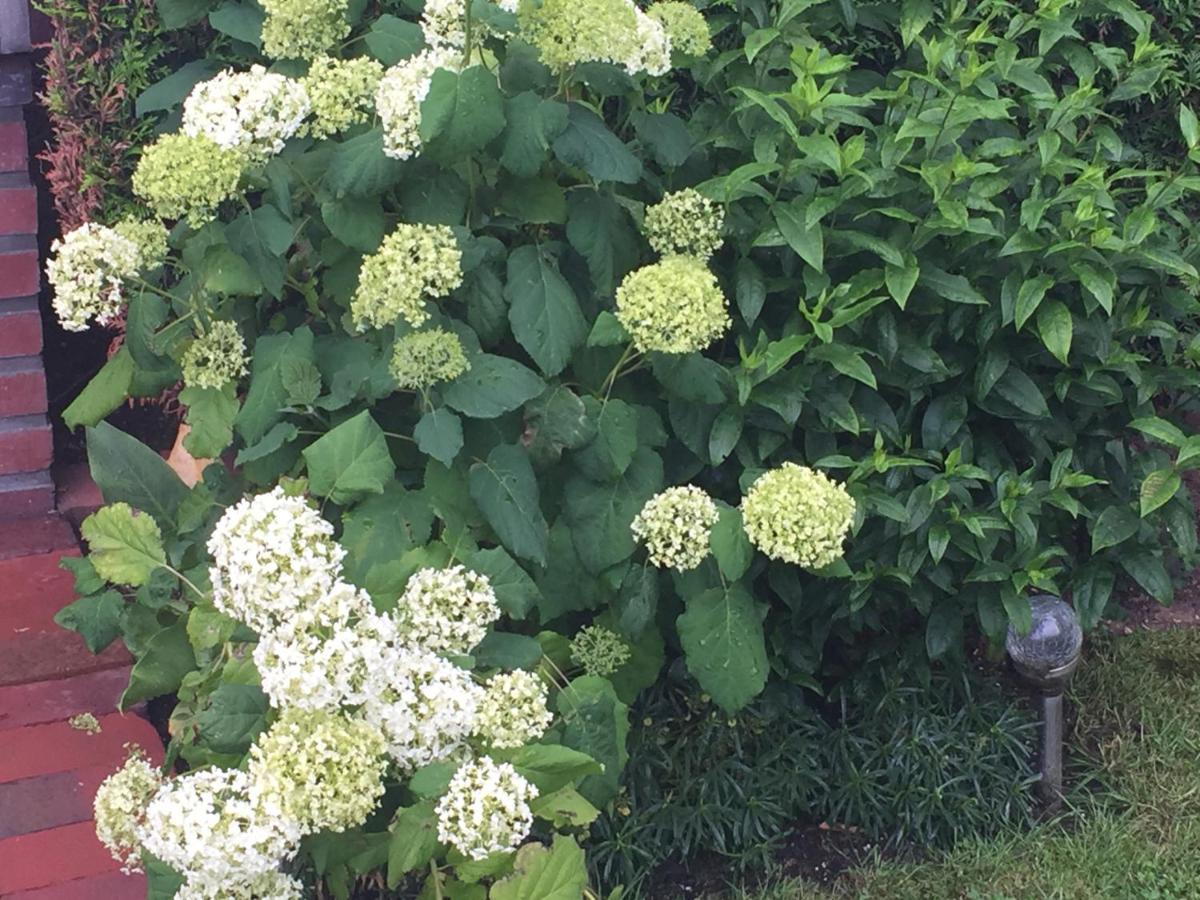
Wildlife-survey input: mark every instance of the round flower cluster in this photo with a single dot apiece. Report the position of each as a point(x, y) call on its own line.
point(684, 223)
point(424, 705)
point(446, 610)
point(120, 808)
point(442, 23)
point(425, 358)
point(513, 710)
point(303, 29)
point(88, 270)
point(569, 32)
point(268, 886)
point(150, 237)
point(400, 94)
point(652, 47)
point(486, 809)
point(342, 93)
point(180, 175)
point(675, 526)
point(599, 651)
point(672, 306)
point(415, 263)
point(272, 556)
point(798, 515)
point(216, 358)
point(319, 769)
point(206, 827)
point(252, 112)
point(685, 25)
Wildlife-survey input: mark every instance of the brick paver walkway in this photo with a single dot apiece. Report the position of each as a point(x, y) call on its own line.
point(48, 769)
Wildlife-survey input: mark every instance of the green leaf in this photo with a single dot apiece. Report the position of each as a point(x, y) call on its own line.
point(536, 201)
point(954, 288)
point(847, 360)
point(378, 532)
point(1091, 593)
point(665, 135)
point(357, 222)
point(1029, 298)
point(515, 591)
point(564, 808)
point(1161, 430)
point(1018, 610)
point(532, 124)
point(540, 874)
point(1022, 392)
point(168, 93)
point(268, 394)
point(210, 413)
point(504, 650)
point(105, 392)
point(543, 311)
point(722, 637)
point(944, 417)
point(900, 280)
point(392, 39)
point(730, 545)
point(637, 600)
point(587, 144)
point(808, 241)
point(181, 13)
point(1157, 489)
point(96, 618)
point(280, 434)
point(750, 289)
point(241, 21)
point(611, 451)
point(162, 882)
point(1101, 285)
point(594, 721)
point(914, 16)
point(506, 492)
point(160, 669)
point(350, 461)
point(128, 471)
point(124, 548)
point(462, 112)
point(599, 228)
point(235, 716)
point(550, 767)
point(493, 386)
point(413, 842)
point(556, 421)
point(943, 630)
point(1113, 526)
point(600, 514)
point(1055, 327)
point(225, 271)
point(360, 168)
point(725, 434)
point(439, 434)
point(1188, 126)
point(1148, 571)
point(86, 579)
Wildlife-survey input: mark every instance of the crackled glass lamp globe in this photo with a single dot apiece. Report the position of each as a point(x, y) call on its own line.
point(1048, 655)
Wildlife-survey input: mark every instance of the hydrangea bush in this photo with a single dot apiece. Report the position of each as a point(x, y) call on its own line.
point(546, 344)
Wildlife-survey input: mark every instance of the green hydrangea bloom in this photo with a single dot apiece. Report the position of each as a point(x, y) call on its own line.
point(416, 263)
point(320, 769)
point(685, 223)
point(569, 32)
point(798, 515)
point(180, 176)
point(672, 306)
point(215, 358)
point(150, 237)
point(303, 29)
point(686, 27)
point(342, 93)
point(425, 358)
point(675, 526)
point(599, 651)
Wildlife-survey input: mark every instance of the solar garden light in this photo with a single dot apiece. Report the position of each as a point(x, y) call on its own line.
point(1046, 658)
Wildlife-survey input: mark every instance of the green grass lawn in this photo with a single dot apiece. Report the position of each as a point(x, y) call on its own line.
point(1134, 834)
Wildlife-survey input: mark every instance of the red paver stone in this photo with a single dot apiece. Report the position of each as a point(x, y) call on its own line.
point(51, 857)
point(35, 535)
point(36, 588)
point(25, 494)
point(22, 386)
point(20, 274)
point(115, 886)
point(18, 210)
point(50, 801)
point(20, 333)
point(14, 147)
point(78, 495)
point(39, 656)
point(26, 443)
point(44, 749)
point(53, 701)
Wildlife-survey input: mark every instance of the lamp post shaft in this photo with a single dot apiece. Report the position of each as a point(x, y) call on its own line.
point(1051, 786)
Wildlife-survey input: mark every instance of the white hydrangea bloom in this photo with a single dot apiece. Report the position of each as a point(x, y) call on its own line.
point(88, 269)
point(446, 610)
point(442, 23)
point(254, 112)
point(205, 826)
point(328, 656)
point(120, 807)
point(486, 809)
point(399, 96)
point(798, 515)
point(424, 705)
point(653, 54)
point(513, 710)
point(273, 555)
point(675, 525)
point(268, 886)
